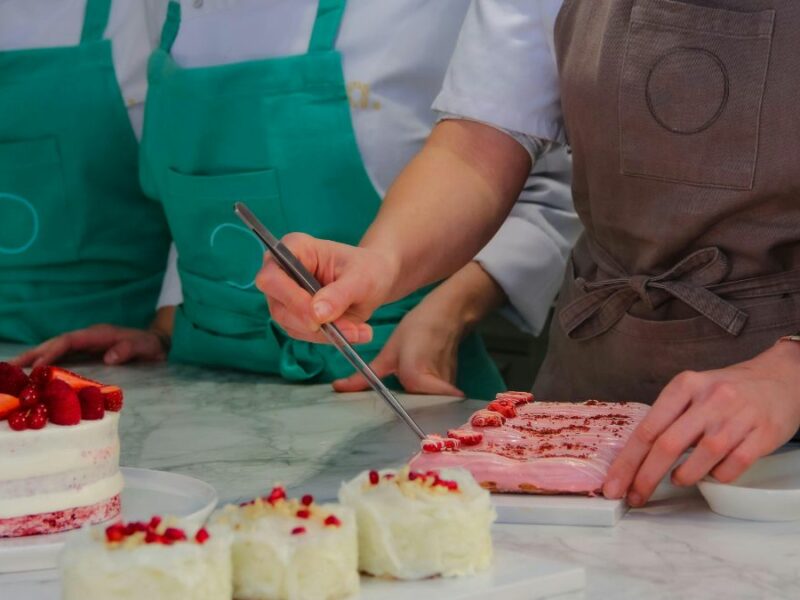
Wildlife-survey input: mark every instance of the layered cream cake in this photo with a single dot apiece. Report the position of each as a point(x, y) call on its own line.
point(157, 560)
point(413, 525)
point(518, 445)
point(59, 452)
point(291, 549)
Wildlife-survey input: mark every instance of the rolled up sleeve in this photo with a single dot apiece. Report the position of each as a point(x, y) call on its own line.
point(503, 70)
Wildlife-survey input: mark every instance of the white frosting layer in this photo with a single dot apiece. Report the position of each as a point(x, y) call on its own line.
point(58, 467)
point(92, 571)
point(413, 534)
point(269, 563)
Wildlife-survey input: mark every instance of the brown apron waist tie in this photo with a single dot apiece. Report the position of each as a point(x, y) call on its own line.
point(695, 280)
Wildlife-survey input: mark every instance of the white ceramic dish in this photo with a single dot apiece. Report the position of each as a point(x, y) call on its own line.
point(768, 491)
point(146, 493)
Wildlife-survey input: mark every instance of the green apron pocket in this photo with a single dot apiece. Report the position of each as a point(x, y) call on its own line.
point(212, 243)
point(34, 220)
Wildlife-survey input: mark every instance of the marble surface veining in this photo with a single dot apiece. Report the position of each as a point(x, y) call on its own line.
point(243, 432)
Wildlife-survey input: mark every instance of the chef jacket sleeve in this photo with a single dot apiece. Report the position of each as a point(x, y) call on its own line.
point(503, 70)
point(171, 291)
point(527, 256)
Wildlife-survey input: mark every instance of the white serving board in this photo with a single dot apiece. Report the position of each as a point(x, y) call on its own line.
point(515, 575)
point(531, 509)
point(145, 494)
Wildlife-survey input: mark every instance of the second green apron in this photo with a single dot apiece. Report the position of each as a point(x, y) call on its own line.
point(276, 134)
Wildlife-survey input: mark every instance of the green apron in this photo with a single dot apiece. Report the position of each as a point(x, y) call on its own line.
point(276, 134)
point(79, 242)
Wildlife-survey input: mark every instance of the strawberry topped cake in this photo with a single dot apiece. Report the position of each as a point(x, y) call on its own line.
point(59, 451)
point(518, 445)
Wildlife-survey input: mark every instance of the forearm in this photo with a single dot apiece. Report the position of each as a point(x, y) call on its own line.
point(465, 298)
point(448, 202)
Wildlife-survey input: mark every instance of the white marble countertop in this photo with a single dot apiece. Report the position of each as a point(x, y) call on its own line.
point(242, 432)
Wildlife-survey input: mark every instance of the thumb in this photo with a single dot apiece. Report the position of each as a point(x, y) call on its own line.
point(418, 382)
point(384, 364)
point(338, 298)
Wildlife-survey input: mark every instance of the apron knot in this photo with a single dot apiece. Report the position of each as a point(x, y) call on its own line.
point(603, 303)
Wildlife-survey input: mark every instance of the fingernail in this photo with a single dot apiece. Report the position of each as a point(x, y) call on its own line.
point(634, 499)
point(364, 335)
point(112, 357)
point(612, 489)
point(323, 310)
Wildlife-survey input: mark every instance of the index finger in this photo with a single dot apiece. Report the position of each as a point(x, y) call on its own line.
point(671, 404)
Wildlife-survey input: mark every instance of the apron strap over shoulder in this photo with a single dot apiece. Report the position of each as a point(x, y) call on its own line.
point(171, 25)
point(326, 25)
point(95, 20)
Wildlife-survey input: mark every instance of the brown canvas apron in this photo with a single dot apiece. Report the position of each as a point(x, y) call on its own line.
point(684, 121)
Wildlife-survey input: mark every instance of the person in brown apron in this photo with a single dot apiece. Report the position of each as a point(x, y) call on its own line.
point(685, 132)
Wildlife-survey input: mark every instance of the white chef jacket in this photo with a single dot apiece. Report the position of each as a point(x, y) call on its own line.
point(503, 73)
point(395, 55)
point(133, 28)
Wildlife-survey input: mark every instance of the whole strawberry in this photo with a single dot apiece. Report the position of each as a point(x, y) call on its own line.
point(37, 417)
point(63, 405)
point(18, 421)
point(12, 379)
point(93, 403)
point(41, 376)
point(29, 397)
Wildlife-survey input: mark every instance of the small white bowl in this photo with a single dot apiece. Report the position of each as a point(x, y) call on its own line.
point(768, 491)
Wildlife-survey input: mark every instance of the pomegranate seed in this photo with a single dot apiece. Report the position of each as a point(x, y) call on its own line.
point(115, 533)
point(303, 513)
point(374, 478)
point(298, 530)
point(277, 493)
point(154, 522)
point(307, 500)
point(332, 521)
point(175, 534)
point(201, 536)
point(413, 475)
point(151, 537)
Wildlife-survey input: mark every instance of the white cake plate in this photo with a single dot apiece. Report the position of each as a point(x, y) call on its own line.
point(146, 493)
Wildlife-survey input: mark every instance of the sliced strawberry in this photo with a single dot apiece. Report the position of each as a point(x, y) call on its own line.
point(467, 437)
point(8, 404)
point(504, 407)
point(113, 396)
point(75, 381)
point(93, 403)
point(41, 376)
point(517, 398)
point(63, 405)
point(12, 379)
point(487, 418)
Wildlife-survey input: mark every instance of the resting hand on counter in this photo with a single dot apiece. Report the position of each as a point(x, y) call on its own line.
point(732, 417)
point(423, 350)
point(118, 345)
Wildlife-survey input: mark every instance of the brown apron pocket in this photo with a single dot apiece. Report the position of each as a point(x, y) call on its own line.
point(691, 88)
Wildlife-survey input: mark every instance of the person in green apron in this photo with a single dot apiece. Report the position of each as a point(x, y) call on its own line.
point(79, 242)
